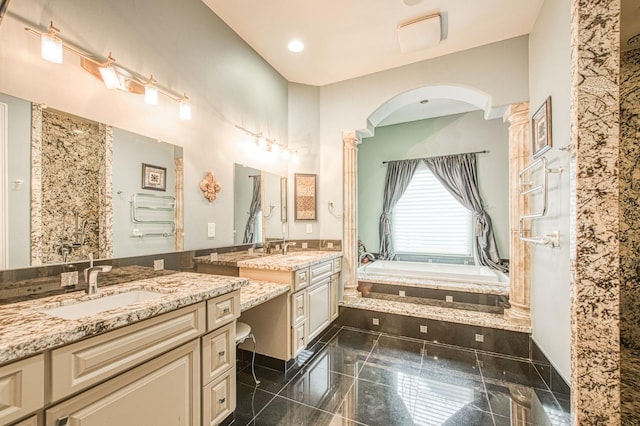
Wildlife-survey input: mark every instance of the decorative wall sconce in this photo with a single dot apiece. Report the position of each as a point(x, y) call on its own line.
point(271, 145)
point(113, 75)
point(210, 187)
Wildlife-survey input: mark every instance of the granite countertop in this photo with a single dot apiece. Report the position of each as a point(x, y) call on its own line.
point(258, 292)
point(290, 262)
point(228, 259)
point(26, 330)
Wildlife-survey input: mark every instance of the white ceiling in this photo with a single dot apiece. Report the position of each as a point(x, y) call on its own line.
point(347, 39)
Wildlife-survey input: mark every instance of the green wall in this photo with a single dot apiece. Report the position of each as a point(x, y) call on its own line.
point(437, 136)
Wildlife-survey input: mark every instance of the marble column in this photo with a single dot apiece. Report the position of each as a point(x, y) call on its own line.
point(105, 191)
point(595, 286)
point(350, 238)
point(519, 251)
point(36, 185)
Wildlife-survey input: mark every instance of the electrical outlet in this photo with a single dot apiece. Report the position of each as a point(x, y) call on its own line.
point(213, 257)
point(423, 329)
point(330, 245)
point(158, 264)
point(211, 230)
point(376, 321)
point(305, 245)
point(402, 293)
point(68, 279)
point(309, 228)
point(480, 338)
point(448, 298)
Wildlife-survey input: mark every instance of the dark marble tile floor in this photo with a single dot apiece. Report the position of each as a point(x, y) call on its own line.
point(357, 377)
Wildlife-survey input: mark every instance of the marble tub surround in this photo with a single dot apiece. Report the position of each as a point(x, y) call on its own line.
point(485, 288)
point(481, 319)
point(258, 292)
point(289, 262)
point(26, 330)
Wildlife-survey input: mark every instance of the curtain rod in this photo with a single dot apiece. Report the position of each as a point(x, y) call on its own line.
point(486, 151)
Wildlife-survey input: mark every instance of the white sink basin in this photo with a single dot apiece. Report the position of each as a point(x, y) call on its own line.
point(95, 306)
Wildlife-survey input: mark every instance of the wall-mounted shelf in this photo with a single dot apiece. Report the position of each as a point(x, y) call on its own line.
point(153, 212)
point(529, 187)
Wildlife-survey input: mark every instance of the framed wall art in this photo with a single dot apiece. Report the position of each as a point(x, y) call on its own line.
point(541, 129)
point(305, 196)
point(154, 177)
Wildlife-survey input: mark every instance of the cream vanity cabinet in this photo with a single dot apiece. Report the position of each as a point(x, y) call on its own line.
point(313, 300)
point(161, 371)
point(21, 388)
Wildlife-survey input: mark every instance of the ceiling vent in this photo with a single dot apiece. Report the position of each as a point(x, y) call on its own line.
point(419, 33)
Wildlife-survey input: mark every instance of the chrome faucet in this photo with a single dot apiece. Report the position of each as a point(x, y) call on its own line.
point(285, 247)
point(91, 276)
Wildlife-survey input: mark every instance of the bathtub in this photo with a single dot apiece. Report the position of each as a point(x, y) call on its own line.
point(472, 274)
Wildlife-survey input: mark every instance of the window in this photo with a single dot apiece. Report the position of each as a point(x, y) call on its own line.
point(428, 220)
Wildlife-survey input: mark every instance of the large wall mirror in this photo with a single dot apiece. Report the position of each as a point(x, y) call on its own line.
point(259, 206)
point(76, 187)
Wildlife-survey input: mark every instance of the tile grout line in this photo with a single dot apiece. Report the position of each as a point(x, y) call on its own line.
point(484, 386)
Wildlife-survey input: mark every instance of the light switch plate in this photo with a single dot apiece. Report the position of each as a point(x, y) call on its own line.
point(309, 228)
point(423, 329)
point(305, 245)
point(479, 337)
point(376, 321)
point(158, 264)
point(449, 298)
point(401, 293)
point(213, 257)
point(330, 245)
point(211, 230)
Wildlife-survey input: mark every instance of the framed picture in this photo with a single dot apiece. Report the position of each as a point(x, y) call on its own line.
point(154, 177)
point(541, 129)
point(305, 196)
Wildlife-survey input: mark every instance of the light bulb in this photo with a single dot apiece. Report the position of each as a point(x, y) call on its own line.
point(109, 77)
point(151, 94)
point(296, 46)
point(296, 158)
point(275, 148)
point(185, 109)
point(285, 154)
point(262, 142)
point(51, 48)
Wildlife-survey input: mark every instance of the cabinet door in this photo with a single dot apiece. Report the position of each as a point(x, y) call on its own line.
point(163, 391)
point(298, 307)
point(298, 339)
point(21, 388)
point(318, 308)
point(335, 289)
point(219, 399)
point(218, 352)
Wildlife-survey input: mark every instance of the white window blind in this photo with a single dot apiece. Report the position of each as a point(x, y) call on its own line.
point(428, 220)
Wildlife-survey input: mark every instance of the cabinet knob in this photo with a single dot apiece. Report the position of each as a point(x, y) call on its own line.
point(226, 310)
point(221, 353)
point(62, 421)
point(222, 400)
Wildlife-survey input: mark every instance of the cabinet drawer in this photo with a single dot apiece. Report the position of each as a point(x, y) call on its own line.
point(301, 279)
point(21, 388)
point(31, 421)
point(218, 352)
point(162, 391)
point(223, 309)
point(320, 271)
point(219, 399)
point(298, 307)
point(337, 265)
point(299, 338)
point(79, 365)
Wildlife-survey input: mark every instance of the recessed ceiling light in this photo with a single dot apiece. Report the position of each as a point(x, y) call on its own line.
point(296, 46)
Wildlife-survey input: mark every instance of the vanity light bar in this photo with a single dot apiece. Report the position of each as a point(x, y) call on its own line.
point(270, 145)
point(114, 76)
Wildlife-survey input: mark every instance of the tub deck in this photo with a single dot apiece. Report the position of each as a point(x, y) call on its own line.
point(497, 288)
